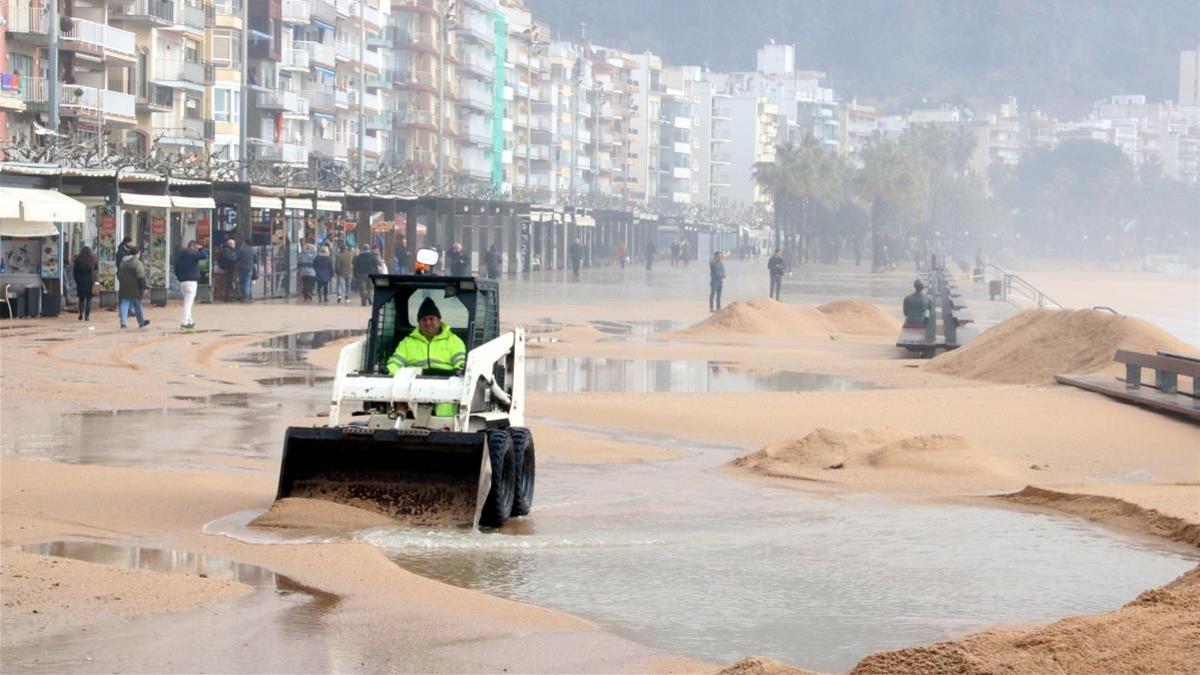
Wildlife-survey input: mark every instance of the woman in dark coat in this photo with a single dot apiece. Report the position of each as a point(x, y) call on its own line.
point(85, 276)
point(323, 266)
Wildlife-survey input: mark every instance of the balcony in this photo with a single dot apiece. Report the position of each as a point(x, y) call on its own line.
point(416, 118)
point(426, 41)
point(477, 28)
point(323, 146)
point(426, 6)
point(296, 12)
point(156, 12)
point(722, 113)
point(156, 98)
point(284, 101)
point(721, 158)
point(79, 100)
point(719, 179)
point(34, 90)
point(191, 13)
point(320, 98)
point(477, 65)
point(294, 59)
point(186, 131)
point(97, 38)
point(319, 53)
point(287, 153)
point(174, 71)
point(324, 11)
point(341, 98)
point(478, 98)
point(26, 19)
point(227, 7)
point(382, 122)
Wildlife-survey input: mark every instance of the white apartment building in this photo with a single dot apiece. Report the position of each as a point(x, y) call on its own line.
point(753, 131)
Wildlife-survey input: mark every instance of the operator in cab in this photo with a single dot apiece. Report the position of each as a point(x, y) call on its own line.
point(430, 345)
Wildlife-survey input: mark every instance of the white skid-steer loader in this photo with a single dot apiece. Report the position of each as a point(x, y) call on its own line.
point(426, 447)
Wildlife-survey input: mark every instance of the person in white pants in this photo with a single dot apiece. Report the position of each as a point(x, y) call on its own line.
point(187, 270)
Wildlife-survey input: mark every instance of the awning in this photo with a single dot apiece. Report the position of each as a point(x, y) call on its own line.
point(27, 228)
point(329, 205)
point(585, 221)
point(146, 201)
point(298, 204)
point(257, 202)
point(193, 202)
point(39, 205)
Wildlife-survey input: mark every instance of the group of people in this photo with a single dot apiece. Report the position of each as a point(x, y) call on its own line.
point(716, 277)
point(132, 282)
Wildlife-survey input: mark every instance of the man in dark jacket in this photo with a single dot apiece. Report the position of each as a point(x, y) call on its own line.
point(187, 271)
point(247, 270)
point(493, 261)
point(131, 276)
point(716, 281)
point(403, 258)
point(227, 262)
point(576, 253)
point(775, 267)
point(458, 261)
point(365, 264)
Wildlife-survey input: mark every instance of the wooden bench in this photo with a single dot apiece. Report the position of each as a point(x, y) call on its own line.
point(917, 339)
point(1163, 394)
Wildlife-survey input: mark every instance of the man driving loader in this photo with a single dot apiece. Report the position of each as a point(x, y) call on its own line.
point(430, 345)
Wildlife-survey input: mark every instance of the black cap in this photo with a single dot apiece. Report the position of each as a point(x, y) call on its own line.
point(428, 308)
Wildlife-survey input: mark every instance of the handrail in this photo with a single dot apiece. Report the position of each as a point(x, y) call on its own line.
point(1023, 287)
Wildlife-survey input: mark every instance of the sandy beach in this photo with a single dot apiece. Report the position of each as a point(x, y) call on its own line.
point(961, 427)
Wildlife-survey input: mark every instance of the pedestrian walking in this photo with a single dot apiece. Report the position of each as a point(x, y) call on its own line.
point(344, 268)
point(84, 271)
point(403, 258)
point(684, 256)
point(650, 250)
point(227, 261)
point(622, 251)
point(365, 264)
point(674, 253)
point(493, 261)
point(323, 269)
point(133, 282)
point(247, 271)
point(308, 273)
point(716, 281)
point(187, 271)
point(576, 253)
point(775, 267)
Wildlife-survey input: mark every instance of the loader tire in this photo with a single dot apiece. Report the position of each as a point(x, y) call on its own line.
point(525, 461)
point(499, 502)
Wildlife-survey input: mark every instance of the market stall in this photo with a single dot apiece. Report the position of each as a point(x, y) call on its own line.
point(31, 248)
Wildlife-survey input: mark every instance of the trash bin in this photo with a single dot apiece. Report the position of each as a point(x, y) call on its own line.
point(158, 297)
point(51, 304)
point(33, 301)
point(994, 289)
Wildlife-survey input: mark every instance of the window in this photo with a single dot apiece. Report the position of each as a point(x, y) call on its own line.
point(191, 107)
point(226, 105)
point(224, 48)
point(191, 51)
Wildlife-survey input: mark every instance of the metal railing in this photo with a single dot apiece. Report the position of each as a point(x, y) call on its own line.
point(1012, 283)
point(296, 11)
point(179, 70)
point(99, 36)
point(163, 10)
point(319, 52)
point(294, 58)
point(24, 17)
point(34, 90)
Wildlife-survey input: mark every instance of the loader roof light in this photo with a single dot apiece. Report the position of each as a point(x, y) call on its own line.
point(427, 257)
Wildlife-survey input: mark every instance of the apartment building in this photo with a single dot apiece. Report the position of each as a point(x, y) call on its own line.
point(646, 131)
point(675, 165)
point(753, 132)
point(858, 124)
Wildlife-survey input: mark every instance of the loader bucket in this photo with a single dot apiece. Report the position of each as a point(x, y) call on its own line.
point(434, 478)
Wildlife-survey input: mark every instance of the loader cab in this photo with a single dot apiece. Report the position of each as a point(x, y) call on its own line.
point(470, 306)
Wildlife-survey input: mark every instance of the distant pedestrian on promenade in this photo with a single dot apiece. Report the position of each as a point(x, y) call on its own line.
point(84, 271)
point(365, 264)
point(650, 250)
point(187, 271)
point(493, 261)
point(622, 252)
point(458, 261)
point(344, 268)
point(308, 273)
point(684, 255)
point(716, 280)
point(247, 271)
point(576, 253)
point(403, 258)
point(775, 267)
point(227, 262)
point(323, 271)
point(674, 253)
point(132, 277)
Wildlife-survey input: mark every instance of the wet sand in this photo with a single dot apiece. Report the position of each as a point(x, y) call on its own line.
point(1080, 444)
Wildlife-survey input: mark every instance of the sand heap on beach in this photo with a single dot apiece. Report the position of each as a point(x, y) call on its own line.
point(872, 456)
point(769, 317)
point(1159, 632)
point(317, 517)
point(1035, 345)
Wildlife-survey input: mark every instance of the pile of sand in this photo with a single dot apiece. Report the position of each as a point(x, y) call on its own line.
point(769, 317)
point(762, 665)
point(1159, 632)
point(1035, 345)
point(317, 517)
point(872, 457)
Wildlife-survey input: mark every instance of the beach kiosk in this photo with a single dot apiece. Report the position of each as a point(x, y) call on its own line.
point(31, 249)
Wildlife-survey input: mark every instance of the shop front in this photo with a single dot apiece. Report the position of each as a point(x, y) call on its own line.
point(31, 249)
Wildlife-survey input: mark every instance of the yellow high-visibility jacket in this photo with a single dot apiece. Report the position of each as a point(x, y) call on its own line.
point(445, 351)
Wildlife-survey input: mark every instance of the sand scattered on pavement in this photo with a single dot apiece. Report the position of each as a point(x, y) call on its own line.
point(872, 457)
point(1112, 512)
point(296, 515)
point(1035, 345)
point(1159, 632)
point(767, 317)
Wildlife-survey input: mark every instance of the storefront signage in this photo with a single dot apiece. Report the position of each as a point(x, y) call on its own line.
point(158, 226)
point(108, 226)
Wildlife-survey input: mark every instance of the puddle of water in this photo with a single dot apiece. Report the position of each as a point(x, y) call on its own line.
point(590, 374)
point(634, 330)
point(288, 351)
point(281, 614)
point(700, 563)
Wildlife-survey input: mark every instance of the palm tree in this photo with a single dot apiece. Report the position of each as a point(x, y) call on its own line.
point(799, 179)
point(891, 186)
point(778, 178)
